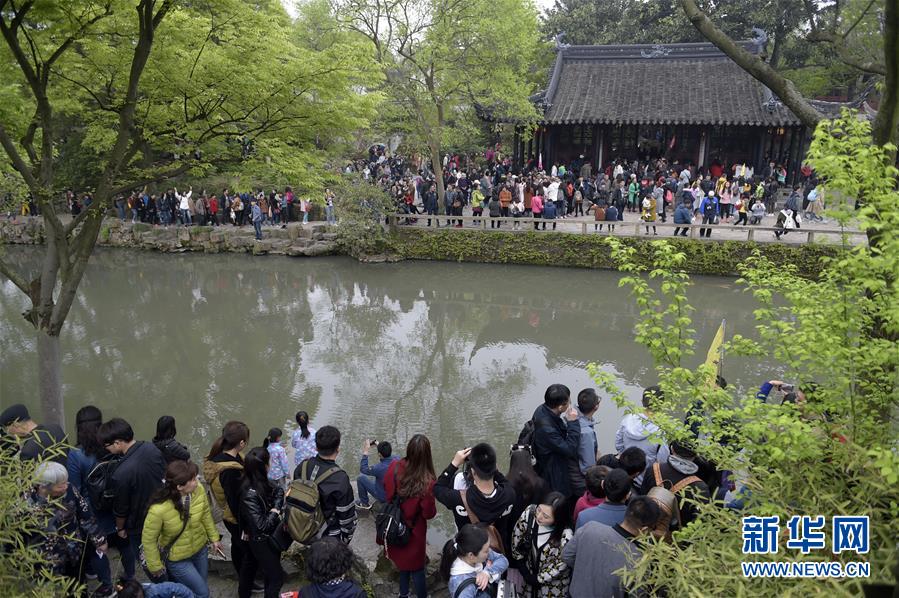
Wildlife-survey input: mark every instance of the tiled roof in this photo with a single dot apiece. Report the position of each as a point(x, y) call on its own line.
point(658, 84)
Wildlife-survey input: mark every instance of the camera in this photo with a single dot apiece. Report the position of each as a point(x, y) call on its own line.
point(373, 443)
point(787, 388)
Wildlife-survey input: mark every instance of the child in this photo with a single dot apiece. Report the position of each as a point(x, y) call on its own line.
point(469, 564)
point(303, 439)
point(278, 469)
point(758, 211)
point(595, 494)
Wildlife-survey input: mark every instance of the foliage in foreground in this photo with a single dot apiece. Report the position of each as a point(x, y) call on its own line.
point(834, 455)
point(21, 565)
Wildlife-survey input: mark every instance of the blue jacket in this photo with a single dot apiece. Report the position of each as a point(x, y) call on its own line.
point(611, 214)
point(79, 465)
point(549, 210)
point(682, 215)
point(706, 201)
point(257, 213)
point(378, 471)
point(588, 447)
point(555, 445)
point(167, 589)
point(606, 513)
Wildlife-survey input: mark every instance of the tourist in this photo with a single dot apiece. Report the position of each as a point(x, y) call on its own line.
point(477, 204)
point(617, 487)
point(257, 219)
point(200, 209)
point(595, 494)
point(214, 215)
point(683, 215)
point(597, 551)
point(81, 461)
point(336, 493)
point(633, 461)
point(171, 449)
point(658, 195)
point(168, 589)
point(785, 222)
point(138, 475)
point(556, 441)
point(599, 215)
point(709, 211)
point(723, 191)
point(537, 205)
point(259, 517)
point(178, 527)
point(529, 487)
point(329, 207)
point(278, 468)
point(495, 209)
point(742, 209)
point(758, 211)
point(587, 406)
point(303, 439)
point(633, 192)
point(371, 479)
point(184, 205)
point(517, 211)
point(38, 442)
point(67, 525)
point(480, 494)
point(468, 556)
point(613, 215)
point(637, 429)
point(540, 536)
point(306, 206)
point(648, 213)
point(550, 212)
point(680, 466)
point(236, 211)
point(223, 472)
point(412, 480)
point(328, 562)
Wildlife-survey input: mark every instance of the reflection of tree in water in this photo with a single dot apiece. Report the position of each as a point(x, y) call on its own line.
point(446, 349)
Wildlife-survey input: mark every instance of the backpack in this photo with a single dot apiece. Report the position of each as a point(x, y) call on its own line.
point(390, 527)
point(99, 484)
point(304, 516)
point(669, 505)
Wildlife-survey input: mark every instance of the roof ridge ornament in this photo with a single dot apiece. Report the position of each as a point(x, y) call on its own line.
point(759, 39)
point(560, 45)
point(657, 51)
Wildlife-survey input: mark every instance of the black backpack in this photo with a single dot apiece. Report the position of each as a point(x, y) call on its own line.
point(390, 526)
point(99, 484)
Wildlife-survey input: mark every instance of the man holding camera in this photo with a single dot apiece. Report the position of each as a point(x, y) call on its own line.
point(371, 479)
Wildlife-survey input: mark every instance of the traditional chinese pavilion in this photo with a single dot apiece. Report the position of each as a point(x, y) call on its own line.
point(687, 102)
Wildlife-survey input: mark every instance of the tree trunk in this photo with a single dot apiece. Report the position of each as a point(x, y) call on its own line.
point(886, 124)
point(49, 379)
point(437, 166)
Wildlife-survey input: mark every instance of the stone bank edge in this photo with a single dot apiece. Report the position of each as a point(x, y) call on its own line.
point(720, 258)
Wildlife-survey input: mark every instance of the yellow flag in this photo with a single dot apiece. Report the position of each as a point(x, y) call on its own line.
point(715, 355)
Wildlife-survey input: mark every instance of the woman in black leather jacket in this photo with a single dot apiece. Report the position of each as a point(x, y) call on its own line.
point(260, 516)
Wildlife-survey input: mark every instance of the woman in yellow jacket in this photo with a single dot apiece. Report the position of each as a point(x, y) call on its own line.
point(178, 527)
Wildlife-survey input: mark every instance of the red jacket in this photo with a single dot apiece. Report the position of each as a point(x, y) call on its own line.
point(417, 509)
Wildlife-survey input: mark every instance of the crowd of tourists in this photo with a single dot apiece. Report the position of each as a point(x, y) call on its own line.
point(562, 521)
point(652, 191)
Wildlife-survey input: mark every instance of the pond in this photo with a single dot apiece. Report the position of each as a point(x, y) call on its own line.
point(460, 352)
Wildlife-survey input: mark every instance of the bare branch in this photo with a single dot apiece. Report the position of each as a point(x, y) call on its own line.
point(16, 277)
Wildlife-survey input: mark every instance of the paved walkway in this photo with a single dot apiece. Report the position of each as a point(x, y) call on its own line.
point(632, 226)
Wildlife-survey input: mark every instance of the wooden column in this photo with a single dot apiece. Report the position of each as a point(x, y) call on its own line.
point(602, 148)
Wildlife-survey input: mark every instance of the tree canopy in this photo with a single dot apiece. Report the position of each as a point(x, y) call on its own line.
point(106, 96)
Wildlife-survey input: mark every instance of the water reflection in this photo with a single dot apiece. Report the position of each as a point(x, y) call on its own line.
point(462, 352)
